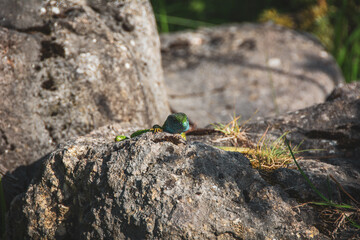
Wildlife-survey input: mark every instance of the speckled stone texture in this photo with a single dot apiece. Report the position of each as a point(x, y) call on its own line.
point(214, 73)
point(153, 187)
point(68, 67)
point(161, 187)
point(332, 127)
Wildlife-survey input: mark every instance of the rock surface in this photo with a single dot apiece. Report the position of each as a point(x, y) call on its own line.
point(332, 127)
point(213, 73)
point(68, 67)
point(153, 187)
point(74, 66)
point(161, 187)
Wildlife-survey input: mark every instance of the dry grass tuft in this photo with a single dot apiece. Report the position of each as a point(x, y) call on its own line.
point(265, 154)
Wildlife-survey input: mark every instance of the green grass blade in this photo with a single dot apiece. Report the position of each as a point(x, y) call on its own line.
point(355, 69)
point(353, 223)
point(341, 56)
point(327, 201)
point(163, 18)
point(330, 204)
point(355, 61)
point(304, 175)
point(339, 27)
point(354, 36)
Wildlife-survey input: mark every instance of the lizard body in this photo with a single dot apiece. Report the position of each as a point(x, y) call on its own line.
point(174, 123)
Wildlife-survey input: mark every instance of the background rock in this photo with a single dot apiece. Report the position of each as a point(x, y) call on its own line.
point(69, 67)
point(213, 73)
point(153, 187)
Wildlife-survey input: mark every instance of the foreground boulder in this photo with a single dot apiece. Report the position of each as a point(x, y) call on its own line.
point(214, 73)
point(153, 187)
point(69, 67)
point(161, 187)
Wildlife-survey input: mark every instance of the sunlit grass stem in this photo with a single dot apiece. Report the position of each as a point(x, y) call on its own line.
point(326, 202)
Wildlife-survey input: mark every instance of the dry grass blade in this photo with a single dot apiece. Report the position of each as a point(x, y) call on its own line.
point(236, 131)
point(344, 191)
point(272, 155)
point(233, 130)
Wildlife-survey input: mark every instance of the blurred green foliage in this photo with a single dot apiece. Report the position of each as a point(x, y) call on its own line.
point(336, 23)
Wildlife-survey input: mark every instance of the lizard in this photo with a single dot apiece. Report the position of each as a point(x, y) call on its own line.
point(176, 123)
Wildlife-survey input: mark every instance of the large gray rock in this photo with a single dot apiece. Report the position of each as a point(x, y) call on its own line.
point(161, 187)
point(69, 67)
point(330, 131)
point(333, 127)
point(153, 187)
point(213, 73)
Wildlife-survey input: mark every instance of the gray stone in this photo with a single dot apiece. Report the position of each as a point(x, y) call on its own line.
point(21, 14)
point(332, 127)
point(330, 134)
point(319, 173)
point(345, 91)
point(153, 187)
point(69, 67)
point(214, 73)
point(161, 187)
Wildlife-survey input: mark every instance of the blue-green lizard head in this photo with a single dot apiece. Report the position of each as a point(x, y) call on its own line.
point(176, 123)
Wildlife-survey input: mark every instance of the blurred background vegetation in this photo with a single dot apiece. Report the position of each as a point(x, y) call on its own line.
point(336, 23)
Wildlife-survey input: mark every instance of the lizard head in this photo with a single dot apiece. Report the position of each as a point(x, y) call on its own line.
point(176, 123)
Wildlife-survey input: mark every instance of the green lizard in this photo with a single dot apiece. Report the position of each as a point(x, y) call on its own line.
point(175, 123)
